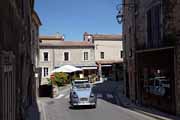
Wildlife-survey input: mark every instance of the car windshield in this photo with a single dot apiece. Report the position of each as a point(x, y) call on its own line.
point(82, 86)
point(80, 82)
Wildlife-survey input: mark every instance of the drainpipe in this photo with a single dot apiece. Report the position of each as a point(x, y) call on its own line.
point(100, 72)
point(53, 58)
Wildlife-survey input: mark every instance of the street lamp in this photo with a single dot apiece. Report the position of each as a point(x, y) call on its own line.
point(120, 15)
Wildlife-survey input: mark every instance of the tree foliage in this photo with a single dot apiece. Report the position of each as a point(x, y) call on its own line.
point(60, 79)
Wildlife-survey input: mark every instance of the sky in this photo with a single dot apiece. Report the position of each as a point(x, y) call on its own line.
point(74, 17)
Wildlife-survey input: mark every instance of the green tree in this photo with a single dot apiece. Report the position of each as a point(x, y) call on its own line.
point(49, 81)
point(61, 78)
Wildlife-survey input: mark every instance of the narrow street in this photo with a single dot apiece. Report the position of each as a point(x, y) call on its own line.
point(51, 52)
point(107, 108)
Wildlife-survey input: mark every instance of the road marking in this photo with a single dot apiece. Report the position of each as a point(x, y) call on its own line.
point(60, 96)
point(109, 96)
point(99, 96)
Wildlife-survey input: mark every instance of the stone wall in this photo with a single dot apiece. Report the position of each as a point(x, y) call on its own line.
point(177, 83)
point(15, 38)
point(129, 49)
point(135, 37)
point(176, 24)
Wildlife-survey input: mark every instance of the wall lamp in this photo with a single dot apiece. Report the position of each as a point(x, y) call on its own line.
point(119, 7)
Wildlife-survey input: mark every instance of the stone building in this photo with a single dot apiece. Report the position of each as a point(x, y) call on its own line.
point(36, 23)
point(151, 32)
point(16, 58)
point(96, 54)
point(108, 54)
point(55, 52)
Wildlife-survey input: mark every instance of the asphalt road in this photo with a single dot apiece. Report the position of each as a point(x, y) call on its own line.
point(107, 108)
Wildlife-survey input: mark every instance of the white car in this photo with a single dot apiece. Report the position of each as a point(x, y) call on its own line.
point(81, 94)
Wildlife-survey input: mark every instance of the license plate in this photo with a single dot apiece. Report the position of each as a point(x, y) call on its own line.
point(84, 99)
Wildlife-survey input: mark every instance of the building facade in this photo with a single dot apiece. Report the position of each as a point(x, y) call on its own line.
point(15, 59)
point(56, 52)
point(94, 55)
point(151, 46)
point(108, 54)
point(36, 23)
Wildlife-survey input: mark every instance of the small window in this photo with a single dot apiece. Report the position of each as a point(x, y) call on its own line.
point(66, 56)
point(45, 56)
point(45, 71)
point(85, 55)
point(121, 54)
point(102, 55)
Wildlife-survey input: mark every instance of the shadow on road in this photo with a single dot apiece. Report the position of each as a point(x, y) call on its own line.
point(33, 112)
point(113, 87)
point(80, 107)
point(108, 91)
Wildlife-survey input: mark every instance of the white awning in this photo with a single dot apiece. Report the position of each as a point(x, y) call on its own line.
point(66, 69)
point(89, 68)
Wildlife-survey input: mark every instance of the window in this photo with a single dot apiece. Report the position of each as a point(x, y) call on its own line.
point(102, 55)
point(153, 27)
point(45, 56)
point(121, 54)
point(66, 56)
point(85, 55)
point(45, 71)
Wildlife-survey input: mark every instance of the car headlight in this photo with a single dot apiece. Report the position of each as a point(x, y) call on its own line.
point(75, 95)
point(92, 95)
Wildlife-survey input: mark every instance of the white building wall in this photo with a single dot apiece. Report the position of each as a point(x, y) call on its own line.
point(56, 58)
point(112, 49)
point(76, 56)
point(48, 64)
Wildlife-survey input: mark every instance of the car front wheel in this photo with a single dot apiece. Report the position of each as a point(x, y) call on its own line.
point(94, 106)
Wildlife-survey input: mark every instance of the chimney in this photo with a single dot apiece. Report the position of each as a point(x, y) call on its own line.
point(87, 37)
point(57, 35)
point(62, 37)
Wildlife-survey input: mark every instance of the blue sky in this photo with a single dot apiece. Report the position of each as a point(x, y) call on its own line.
point(74, 17)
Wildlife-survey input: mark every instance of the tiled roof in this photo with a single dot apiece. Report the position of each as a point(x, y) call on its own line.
point(108, 61)
point(55, 37)
point(107, 37)
point(67, 44)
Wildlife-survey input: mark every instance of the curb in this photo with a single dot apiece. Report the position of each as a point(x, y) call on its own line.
point(135, 109)
point(41, 110)
point(151, 115)
point(57, 90)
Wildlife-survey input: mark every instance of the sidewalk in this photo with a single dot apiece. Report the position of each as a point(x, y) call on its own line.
point(64, 87)
point(151, 112)
point(57, 90)
point(34, 112)
point(37, 111)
